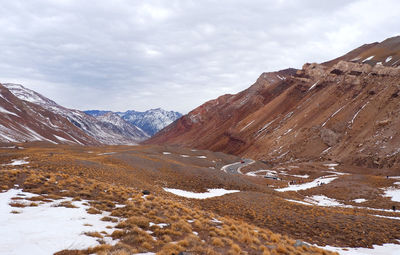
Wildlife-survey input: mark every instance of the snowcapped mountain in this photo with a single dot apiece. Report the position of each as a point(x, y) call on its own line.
point(150, 121)
point(23, 120)
point(118, 125)
point(115, 132)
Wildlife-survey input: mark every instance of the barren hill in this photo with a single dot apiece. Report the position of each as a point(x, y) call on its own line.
point(346, 109)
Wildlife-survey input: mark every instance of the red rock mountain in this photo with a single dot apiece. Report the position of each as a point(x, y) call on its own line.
point(21, 120)
point(347, 109)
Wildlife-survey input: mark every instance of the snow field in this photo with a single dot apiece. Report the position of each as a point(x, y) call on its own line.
point(46, 229)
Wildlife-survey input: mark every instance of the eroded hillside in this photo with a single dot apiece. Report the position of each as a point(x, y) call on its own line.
point(346, 111)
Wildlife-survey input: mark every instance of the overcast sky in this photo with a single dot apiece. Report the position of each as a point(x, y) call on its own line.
point(175, 54)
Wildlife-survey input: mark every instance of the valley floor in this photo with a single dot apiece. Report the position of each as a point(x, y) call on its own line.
point(82, 200)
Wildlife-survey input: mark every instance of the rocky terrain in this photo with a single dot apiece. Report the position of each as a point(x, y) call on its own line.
point(345, 110)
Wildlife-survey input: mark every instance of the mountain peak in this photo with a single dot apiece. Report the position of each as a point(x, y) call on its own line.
point(150, 121)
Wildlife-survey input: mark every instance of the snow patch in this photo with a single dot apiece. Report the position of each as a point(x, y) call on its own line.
point(46, 229)
point(385, 249)
point(308, 185)
point(17, 162)
point(7, 112)
point(313, 86)
point(367, 59)
point(360, 200)
point(322, 200)
point(211, 193)
point(393, 193)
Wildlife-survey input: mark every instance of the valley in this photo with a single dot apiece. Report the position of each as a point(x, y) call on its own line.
point(321, 203)
point(304, 161)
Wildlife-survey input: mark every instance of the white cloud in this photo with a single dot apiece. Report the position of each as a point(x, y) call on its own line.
point(174, 54)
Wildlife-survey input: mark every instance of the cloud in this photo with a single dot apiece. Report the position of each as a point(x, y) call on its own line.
point(174, 54)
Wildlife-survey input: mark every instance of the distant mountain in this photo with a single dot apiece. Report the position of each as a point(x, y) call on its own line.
point(150, 121)
point(346, 109)
point(96, 113)
point(22, 120)
point(111, 130)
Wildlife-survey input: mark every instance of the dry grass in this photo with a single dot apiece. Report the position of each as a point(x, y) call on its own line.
point(106, 185)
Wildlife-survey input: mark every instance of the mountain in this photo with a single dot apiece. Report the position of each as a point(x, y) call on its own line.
point(347, 110)
point(101, 130)
point(114, 122)
point(150, 121)
point(22, 120)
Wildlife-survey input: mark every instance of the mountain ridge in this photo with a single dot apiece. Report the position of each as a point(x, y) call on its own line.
point(150, 121)
point(321, 112)
point(102, 131)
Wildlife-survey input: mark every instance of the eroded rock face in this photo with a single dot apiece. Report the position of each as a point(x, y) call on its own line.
point(346, 110)
point(329, 137)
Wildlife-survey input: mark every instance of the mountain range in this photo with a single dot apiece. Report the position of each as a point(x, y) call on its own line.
point(29, 116)
point(346, 109)
point(150, 121)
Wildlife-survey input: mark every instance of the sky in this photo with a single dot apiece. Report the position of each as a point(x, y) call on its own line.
point(175, 54)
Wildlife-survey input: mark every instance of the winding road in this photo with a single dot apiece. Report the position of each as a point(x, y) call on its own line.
point(234, 168)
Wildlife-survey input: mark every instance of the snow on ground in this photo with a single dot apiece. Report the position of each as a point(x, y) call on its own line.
point(46, 229)
point(62, 139)
point(305, 176)
point(331, 164)
point(17, 162)
point(161, 225)
point(256, 173)
point(166, 153)
point(184, 156)
point(211, 193)
point(386, 249)
point(369, 58)
point(299, 202)
point(309, 185)
point(106, 153)
point(360, 200)
point(273, 173)
point(313, 86)
point(322, 200)
point(7, 112)
point(201, 157)
point(393, 193)
point(388, 59)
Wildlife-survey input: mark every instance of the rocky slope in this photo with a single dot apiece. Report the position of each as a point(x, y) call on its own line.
point(346, 109)
point(112, 130)
point(25, 121)
point(150, 121)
